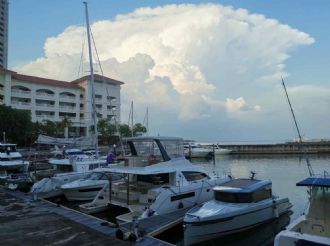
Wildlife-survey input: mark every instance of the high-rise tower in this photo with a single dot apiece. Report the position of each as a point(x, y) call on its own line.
point(3, 33)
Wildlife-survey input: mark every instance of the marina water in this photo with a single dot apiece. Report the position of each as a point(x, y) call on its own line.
point(284, 171)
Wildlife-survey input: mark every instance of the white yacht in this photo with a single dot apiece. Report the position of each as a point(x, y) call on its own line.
point(221, 151)
point(158, 180)
point(75, 160)
point(238, 204)
point(11, 161)
point(197, 151)
point(313, 227)
point(87, 188)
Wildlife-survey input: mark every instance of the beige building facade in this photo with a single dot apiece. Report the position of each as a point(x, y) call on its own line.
point(55, 100)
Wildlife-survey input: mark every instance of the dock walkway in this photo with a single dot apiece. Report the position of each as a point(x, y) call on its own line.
point(157, 224)
point(24, 220)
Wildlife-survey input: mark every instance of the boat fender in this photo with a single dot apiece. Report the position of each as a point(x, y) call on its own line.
point(275, 209)
point(119, 234)
point(150, 212)
point(132, 237)
point(180, 205)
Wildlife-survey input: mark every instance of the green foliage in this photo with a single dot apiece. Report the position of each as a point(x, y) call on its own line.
point(138, 127)
point(125, 130)
point(16, 124)
point(106, 130)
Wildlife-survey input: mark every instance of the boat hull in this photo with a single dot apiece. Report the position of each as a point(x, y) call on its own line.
point(293, 235)
point(243, 220)
point(82, 193)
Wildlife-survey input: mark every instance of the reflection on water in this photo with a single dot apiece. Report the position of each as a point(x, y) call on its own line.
point(284, 171)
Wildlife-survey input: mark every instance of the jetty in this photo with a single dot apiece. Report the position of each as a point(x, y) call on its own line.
point(310, 147)
point(39, 222)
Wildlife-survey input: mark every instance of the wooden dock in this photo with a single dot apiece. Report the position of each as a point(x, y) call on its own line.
point(157, 224)
point(40, 222)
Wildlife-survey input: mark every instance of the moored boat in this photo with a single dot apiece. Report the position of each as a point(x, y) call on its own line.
point(238, 205)
point(313, 227)
point(158, 180)
point(87, 188)
point(13, 169)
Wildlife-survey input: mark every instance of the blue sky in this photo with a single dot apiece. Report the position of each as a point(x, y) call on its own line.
point(32, 22)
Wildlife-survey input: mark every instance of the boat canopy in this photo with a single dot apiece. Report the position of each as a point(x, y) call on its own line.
point(165, 148)
point(242, 185)
point(315, 181)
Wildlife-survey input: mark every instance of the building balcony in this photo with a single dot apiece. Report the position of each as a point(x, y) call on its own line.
point(45, 105)
point(72, 118)
point(45, 117)
point(18, 103)
point(21, 93)
point(44, 95)
point(66, 98)
point(67, 108)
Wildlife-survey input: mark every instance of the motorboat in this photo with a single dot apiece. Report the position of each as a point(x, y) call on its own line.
point(312, 227)
point(238, 205)
point(158, 180)
point(197, 151)
point(75, 160)
point(11, 161)
point(87, 188)
point(221, 151)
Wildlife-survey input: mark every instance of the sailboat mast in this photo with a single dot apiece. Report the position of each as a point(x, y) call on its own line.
point(147, 121)
point(132, 120)
point(310, 169)
point(92, 82)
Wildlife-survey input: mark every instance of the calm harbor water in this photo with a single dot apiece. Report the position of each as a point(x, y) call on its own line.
point(284, 171)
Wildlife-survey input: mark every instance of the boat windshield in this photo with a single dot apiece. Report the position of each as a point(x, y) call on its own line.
point(243, 197)
point(94, 176)
point(174, 148)
point(320, 194)
point(7, 148)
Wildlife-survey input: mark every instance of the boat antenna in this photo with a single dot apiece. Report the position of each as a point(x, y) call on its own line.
point(310, 169)
point(92, 81)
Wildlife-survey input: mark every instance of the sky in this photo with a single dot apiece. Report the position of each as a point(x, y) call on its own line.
point(207, 70)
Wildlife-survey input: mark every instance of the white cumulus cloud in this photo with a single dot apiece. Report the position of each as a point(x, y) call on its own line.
point(194, 61)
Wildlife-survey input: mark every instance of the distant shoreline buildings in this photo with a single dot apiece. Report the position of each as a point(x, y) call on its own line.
point(54, 100)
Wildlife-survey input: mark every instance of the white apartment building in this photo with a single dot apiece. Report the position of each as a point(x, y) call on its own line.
point(49, 99)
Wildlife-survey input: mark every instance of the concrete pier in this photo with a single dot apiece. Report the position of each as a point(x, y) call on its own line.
point(24, 221)
point(318, 147)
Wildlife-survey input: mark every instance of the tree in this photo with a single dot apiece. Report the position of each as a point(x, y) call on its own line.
point(138, 127)
point(125, 130)
point(16, 124)
point(106, 130)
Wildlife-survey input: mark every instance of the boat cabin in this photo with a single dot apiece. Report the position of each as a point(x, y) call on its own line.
point(11, 160)
point(7, 152)
point(243, 191)
point(319, 197)
point(146, 151)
